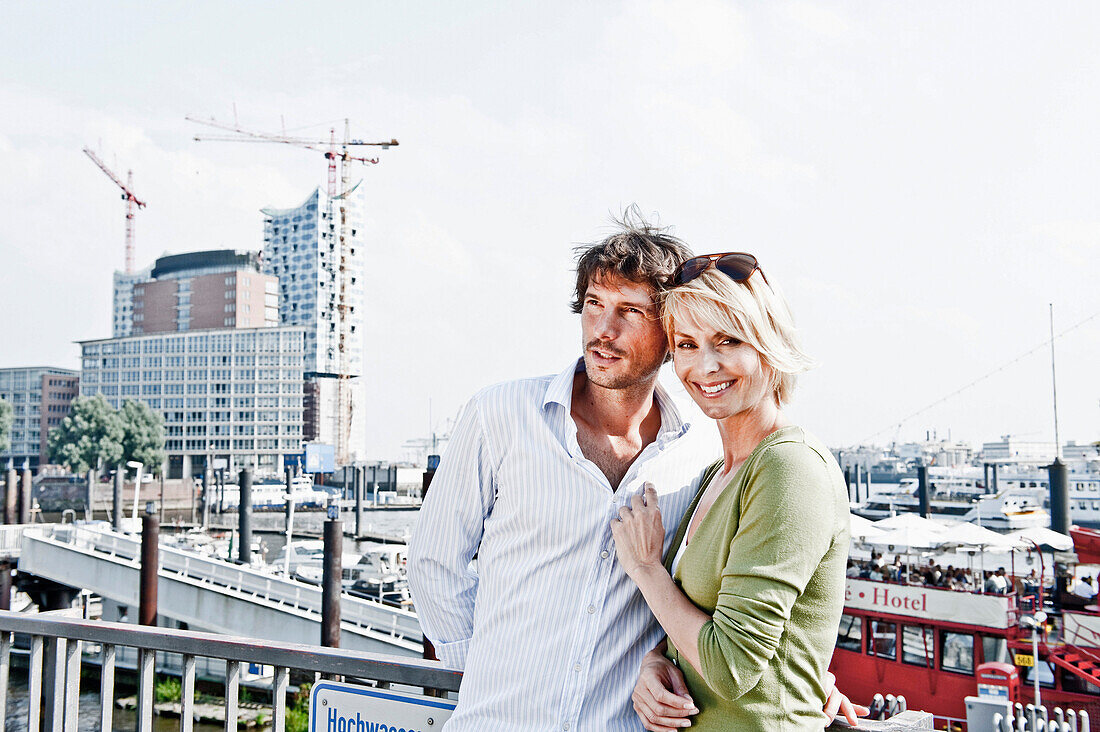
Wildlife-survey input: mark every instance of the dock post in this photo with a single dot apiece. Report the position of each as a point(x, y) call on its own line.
point(922, 491)
point(116, 499)
point(359, 480)
point(207, 490)
point(5, 585)
point(89, 495)
point(9, 489)
point(856, 480)
point(288, 509)
point(1059, 497)
point(1059, 514)
point(433, 463)
point(244, 517)
point(331, 574)
point(993, 469)
point(150, 559)
point(26, 496)
point(11, 492)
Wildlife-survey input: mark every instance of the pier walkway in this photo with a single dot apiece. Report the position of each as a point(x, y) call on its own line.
point(11, 540)
point(211, 594)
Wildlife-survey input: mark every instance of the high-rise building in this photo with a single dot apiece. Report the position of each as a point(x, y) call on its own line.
point(221, 288)
point(122, 318)
point(226, 395)
point(58, 392)
point(40, 397)
point(317, 251)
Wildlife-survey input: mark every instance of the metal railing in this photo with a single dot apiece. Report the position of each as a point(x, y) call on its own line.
point(55, 661)
point(368, 615)
point(11, 539)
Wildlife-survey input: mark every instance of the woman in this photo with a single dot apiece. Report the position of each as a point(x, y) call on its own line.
point(752, 592)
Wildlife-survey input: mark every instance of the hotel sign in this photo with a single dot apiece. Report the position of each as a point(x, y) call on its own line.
point(928, 603)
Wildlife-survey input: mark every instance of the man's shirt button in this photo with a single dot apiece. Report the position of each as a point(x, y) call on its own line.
point(604, 554)
point(591, 609)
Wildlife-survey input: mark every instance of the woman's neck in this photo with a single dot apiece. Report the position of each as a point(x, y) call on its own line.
point(742, 432)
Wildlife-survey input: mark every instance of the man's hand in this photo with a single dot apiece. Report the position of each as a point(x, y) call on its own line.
point(838, 702)
point(660, 697)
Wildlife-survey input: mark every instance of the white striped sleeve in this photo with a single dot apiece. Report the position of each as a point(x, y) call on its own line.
point(448, 532)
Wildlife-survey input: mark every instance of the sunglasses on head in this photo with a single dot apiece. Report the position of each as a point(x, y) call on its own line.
point(738, 266)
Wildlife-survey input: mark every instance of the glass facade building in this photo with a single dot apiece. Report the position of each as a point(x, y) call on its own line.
point(302, 247)
point(234, 395)
point(22, 388)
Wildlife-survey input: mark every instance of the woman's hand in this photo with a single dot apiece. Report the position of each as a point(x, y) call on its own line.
point(639, 534)
point(838, 702)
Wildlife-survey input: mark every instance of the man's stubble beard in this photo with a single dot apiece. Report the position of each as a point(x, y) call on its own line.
point(634, 378)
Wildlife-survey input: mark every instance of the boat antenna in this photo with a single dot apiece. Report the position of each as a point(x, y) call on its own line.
point(1054, 387)
point(896, 426)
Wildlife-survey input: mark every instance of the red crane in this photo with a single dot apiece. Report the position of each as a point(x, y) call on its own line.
point(132, 201)
point(339, 218)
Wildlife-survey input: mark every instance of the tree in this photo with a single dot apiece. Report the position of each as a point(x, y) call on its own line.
point(143, 438)
point(92, 432)
point(5, 426)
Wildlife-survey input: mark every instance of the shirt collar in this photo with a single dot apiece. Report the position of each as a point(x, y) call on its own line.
point(560, 391)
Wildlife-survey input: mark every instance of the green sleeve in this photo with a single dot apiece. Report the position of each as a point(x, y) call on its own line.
point(786, 527)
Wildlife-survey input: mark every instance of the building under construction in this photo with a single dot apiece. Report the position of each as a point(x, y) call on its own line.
point(317, 252)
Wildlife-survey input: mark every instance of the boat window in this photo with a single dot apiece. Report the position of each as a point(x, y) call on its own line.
point(884, 639)
point(850, 635)
point(1046, 674)
point(917, 645)
point(957, 651)
point(994, 649)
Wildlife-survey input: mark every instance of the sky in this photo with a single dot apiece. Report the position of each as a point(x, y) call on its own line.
point(918, 179)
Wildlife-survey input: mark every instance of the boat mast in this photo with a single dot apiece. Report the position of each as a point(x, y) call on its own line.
point(1054, 387)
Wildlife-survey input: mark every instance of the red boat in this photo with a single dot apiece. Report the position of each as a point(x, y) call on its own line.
point(1086, 544)
point(926, 644)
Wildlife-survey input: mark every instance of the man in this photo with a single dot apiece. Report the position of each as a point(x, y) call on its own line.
point(549, 631)
point(1083, 588)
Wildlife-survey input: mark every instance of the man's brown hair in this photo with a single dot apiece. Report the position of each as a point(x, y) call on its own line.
point(638, 251)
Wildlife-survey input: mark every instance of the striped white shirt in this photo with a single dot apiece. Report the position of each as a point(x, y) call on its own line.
point(549, 630)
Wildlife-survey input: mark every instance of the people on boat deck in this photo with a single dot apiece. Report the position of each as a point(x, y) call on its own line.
point(1083, 588)
point(997, 583)
point(549, 630)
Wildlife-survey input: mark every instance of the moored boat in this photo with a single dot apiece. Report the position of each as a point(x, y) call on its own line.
point(927, 644)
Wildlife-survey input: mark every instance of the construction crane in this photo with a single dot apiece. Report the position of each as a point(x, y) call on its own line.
point(338, 220)
point(132, 202)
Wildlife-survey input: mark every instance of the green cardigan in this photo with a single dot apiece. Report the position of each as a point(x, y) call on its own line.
point(767, 564)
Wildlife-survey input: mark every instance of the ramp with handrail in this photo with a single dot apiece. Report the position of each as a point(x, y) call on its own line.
point(212, 594)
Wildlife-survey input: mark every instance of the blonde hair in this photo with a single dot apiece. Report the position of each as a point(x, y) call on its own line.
point(750, 311)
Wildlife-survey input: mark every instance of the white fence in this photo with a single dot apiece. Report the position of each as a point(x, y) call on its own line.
point(11, 539)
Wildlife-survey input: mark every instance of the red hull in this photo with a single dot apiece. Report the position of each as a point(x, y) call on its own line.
point(926, 644)
point(942, 693)
point(1086, 544)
